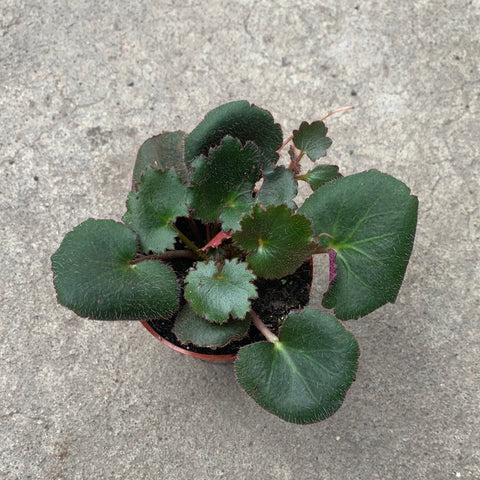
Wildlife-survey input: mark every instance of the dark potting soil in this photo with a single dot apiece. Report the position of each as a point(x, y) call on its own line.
point(276, 298)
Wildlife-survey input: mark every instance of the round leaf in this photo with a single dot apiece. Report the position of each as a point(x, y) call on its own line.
point(191, 328)
point(94, 276)
point(304, 376)
point(217, 292)
point(279, 187)
point(370, 219)
point(240, 120)
point(278, 241)
point(162, 152)
point(312, 139)
point(222, 184)
point(159, 200)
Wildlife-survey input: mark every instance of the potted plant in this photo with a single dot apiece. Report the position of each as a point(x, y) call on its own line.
point(214, 255)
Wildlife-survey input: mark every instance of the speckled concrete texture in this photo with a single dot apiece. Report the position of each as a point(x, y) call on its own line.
point(83, 84)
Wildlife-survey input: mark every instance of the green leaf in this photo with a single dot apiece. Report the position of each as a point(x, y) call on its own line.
point(320, 175)
point(279, 187)
point(162, 152)
point(217, 291)
point(160, 199)
point(278, 241)
point(94, 276)
point(240, 120)
point(191, 328)
point(222, 184)
point(303, 377)
point(371, 218)
point(312, 139)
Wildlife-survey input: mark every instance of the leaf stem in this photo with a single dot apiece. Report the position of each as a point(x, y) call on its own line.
point(189, 243)
point(169, 254)
point(284, 144)
point(263, 329)
point(295, 166)
point(338, 110)
point(177, 254)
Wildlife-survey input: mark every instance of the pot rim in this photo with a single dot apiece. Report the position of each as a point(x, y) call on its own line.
point(201, 356)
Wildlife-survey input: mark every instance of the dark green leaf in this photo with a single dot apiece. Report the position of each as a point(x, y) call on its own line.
point(239, 120)
point(222, 184)
point(279, 187)
point(371, 218)
point(191, 328)
point(162, 152)
point(312, 139)
point(303, 377)
point(278, 241)
point(217, 291)
point(94, 276)
point(320, 175)
point(160, 198)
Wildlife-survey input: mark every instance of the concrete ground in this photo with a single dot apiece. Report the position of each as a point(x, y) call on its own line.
point(83, 84)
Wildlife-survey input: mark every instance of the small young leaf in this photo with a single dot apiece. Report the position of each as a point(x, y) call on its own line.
point(222, 184)
point(217, 291)
point(312, 139)
point(303, 377)
point(94, 276)
point(162, 152)
point(278, 241)
point(239, 120)
point(370, 219)
point(191, 328)
point(279, 187)
point(320, 175)
point(160, 199)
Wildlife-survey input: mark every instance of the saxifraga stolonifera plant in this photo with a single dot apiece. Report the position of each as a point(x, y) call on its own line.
point(220, 198)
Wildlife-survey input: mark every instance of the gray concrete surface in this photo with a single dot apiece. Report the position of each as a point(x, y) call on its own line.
point(83, 83)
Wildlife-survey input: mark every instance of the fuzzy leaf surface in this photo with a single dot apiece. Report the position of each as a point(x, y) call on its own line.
point(302, 378)
point(371, 218)
point(312, 139)
point(192, 328)
point(94, 277)
point(217, 292)
point(279, 187)
point(240, 120)
point(321, 175)
point(222, 184)
point(278, 241)
point(160, 198)
point(162, 152)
